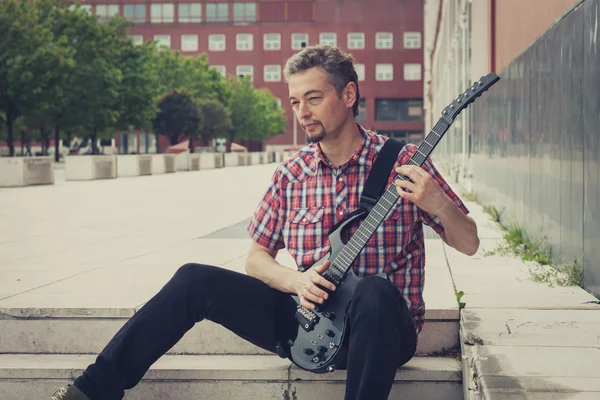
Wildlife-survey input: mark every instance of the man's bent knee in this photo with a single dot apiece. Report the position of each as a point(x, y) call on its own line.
point(374, 292)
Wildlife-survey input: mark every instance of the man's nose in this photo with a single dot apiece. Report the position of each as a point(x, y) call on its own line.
point(303, 111)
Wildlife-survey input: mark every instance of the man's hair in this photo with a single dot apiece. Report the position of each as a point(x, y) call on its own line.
point(336, 64)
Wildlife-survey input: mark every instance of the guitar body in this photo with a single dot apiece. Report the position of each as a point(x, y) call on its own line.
point(321, 348)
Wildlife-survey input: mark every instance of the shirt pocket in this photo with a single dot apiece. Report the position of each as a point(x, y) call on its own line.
point(306, 216)
point(305, 236)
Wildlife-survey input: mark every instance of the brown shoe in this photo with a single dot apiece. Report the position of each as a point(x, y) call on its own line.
point(69, 392)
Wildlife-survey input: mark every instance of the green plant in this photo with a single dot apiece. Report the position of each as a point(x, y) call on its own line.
point(459, 296)
point(470, 196)
point(566, 274)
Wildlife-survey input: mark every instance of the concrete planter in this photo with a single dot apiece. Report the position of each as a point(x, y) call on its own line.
point(254, 158)
point(232, 159)
point(26, 171)
point(134, 165)
point(210, 160)
point(194, 162)
point(163, 163)
point(182, 161)
point(187, 162)
point(82, 168)
point(264, 157)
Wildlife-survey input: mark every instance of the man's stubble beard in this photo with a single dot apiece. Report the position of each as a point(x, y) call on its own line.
point(317, 137)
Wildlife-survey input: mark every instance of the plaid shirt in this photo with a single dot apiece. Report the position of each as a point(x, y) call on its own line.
point(308, 195)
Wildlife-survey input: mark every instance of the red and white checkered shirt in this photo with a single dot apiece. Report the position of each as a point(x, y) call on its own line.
point(308, 195)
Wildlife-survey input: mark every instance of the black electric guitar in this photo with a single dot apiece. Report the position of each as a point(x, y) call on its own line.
point(318, 343)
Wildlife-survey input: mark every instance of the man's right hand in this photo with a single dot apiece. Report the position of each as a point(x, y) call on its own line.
point(307, 285)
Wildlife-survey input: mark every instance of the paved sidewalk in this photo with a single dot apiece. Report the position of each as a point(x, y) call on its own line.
point(110, 245)
point(522, 339)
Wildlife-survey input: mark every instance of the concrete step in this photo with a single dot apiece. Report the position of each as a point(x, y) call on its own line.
point(86, 331)
point(27, 376)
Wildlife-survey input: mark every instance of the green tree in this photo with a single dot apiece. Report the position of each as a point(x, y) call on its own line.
point(242, 108)
point(27, 53)
point(177, 116)
point(214, 120)
point(255, 114)
point(83, 79)
point(270, 114)
point(137, 92)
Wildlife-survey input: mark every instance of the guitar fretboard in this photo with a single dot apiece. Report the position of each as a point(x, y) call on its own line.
point(359, 239)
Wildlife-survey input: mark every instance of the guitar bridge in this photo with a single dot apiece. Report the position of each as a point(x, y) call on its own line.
point(307, 319)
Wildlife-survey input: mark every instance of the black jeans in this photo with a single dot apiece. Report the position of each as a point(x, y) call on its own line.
point(382, 336)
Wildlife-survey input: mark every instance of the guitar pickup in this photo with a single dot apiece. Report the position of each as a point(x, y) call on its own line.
point(307, 318)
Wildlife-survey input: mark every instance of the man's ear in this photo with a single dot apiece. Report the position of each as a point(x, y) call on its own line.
point(350, 94)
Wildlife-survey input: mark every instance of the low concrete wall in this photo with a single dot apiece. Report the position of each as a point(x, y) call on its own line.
point(210, 160)
point(182, 161)
point(134, 165)
point(80, 168)
point(163, 163)
point(194, 162)
point(232, 159)
point(25, 171)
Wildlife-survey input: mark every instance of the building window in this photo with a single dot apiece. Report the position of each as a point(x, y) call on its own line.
point(189, 42)
point(360, 71)
point(412, 40)
point(278, 100)
point(86, 7)
point(245, 70)
point(163, 41)
point(398, 110)
point(384, 40)
point(384, 72)
point(299, 41)
point(328, 38)
point(356, 40)
point(272, 41)
point(137, 39)
point(244, 12)
point(362, 110)
point(217, 12)
point(135, 12)
point(162, 13)
point(216, 42)
point(220, 69)
point(244, 42)
point(412, 72)
point(190, 12)
point(272, 73)
point(107, 11)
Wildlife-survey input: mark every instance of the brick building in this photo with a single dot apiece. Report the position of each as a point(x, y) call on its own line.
point(256, 38)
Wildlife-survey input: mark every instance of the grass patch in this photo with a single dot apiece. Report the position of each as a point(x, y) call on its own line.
point(546, 271)
point(519, 245)
point(492, 212)
point(565, 274)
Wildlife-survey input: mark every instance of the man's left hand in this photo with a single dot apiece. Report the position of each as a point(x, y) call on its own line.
point(424, 191)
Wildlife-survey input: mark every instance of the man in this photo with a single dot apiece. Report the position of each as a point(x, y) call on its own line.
point(309, 193)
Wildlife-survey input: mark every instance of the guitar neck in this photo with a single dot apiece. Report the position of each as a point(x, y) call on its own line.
point(359, 239)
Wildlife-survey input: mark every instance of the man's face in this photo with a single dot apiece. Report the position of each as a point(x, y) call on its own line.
point(318, 108)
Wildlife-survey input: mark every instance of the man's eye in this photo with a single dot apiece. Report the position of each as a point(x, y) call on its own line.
point(314, 98)
point(294, 103)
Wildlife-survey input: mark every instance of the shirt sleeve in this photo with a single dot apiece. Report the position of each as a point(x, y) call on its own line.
point(266, 224)
point(430, 219)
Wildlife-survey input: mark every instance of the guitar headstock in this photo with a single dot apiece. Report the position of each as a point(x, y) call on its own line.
point(469, 96)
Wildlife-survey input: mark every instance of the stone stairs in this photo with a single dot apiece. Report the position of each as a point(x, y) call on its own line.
point(42, 348)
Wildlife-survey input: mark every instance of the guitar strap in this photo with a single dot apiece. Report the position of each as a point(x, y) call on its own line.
point(378, 177)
